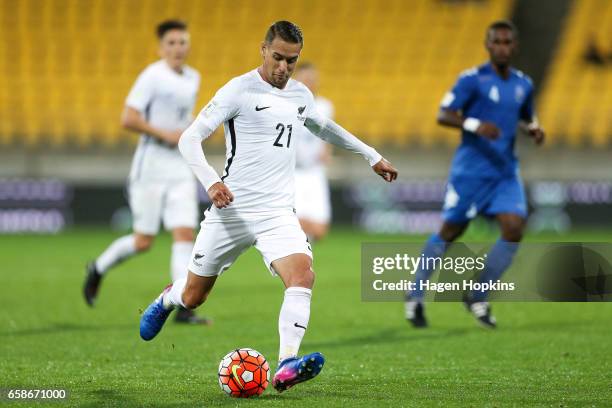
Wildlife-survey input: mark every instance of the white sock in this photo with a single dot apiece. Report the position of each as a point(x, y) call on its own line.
point(121, 249)
point(179, 260)
point(174, 297)
point(293, 320)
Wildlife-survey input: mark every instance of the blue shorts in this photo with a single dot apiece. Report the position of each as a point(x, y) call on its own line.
point(467, 197)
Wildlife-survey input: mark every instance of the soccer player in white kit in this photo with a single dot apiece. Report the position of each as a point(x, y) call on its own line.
point(161, 186)
point(312, 201)
point(263, 113)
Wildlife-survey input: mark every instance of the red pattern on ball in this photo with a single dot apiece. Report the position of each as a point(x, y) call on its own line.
point(249, 378)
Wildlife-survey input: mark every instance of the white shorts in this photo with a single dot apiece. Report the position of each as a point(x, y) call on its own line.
point(312, 200)
point(174, 203)
point(221, 241)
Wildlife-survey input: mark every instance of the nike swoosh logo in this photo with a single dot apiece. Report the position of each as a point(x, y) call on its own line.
point(236, 376)
point(198, 256)
point(257, 108)
point(297, 325)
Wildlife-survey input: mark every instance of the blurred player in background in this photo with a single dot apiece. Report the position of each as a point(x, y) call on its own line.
point(161, 186)
point(488, 103)
point(312, 202)
point(263, 112)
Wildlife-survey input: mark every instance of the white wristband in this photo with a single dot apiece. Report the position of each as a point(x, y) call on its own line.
point(471, 124)
point(533, 125)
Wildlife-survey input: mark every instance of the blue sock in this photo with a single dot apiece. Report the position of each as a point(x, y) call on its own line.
point(498, 260)
point(435, 247)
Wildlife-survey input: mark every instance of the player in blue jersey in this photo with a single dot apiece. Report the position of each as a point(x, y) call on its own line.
point(488, 103)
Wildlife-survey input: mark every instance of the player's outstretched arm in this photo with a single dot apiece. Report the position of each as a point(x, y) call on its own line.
point(453, 119)
point(331, 132)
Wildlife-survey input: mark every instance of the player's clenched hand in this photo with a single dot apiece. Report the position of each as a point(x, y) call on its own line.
point(537, 133)
point(488, 130)
point(385, 170)
point(220, 195)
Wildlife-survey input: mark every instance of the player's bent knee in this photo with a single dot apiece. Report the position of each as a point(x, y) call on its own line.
point(183, 234)
point(319, 232)
point(450, 232)
point(304, 279)
point(142, 242)
point(512, 231)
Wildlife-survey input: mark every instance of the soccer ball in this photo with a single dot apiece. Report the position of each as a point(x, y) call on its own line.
point(244, 373)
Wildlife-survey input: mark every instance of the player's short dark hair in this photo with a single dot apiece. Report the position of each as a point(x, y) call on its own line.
point(286, 30)
point(502, 25)
point(167, 25)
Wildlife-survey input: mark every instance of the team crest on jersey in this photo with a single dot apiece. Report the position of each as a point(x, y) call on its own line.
point(519, 94)
point(494, 94)
point(301, 110)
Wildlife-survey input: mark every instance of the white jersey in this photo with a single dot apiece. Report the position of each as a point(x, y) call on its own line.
point(262, 125)
point(312, 148)
point(166, 99)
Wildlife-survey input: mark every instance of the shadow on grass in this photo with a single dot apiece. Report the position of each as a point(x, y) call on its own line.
point(106, 397)
point(270, 396)
point(557, 325)
point(64, 328)
point(391, 335)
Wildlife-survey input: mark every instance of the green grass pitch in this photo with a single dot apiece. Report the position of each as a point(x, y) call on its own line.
point(543, 354)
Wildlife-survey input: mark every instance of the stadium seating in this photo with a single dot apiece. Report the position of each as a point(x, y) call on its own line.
point(576, 102)
point(67, 65)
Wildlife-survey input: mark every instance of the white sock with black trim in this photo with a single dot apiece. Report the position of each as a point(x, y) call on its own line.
point(293, 320)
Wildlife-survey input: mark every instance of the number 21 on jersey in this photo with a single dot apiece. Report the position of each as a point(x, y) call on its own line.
point(281, 130)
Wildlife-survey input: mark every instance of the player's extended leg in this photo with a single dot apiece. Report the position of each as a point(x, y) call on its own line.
point(182, 247)
point(188, 293)
point(435, 247)
point(146, 202)
point(120, 250)
point(499, 259)
point(296, 272)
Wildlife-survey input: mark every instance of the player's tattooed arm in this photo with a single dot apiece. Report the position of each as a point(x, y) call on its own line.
point(133, 120)
point(534, 130)
point(454, 119)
